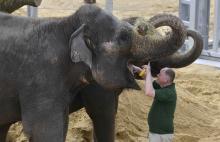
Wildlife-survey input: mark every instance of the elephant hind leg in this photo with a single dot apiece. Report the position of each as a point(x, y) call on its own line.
point(3, 132)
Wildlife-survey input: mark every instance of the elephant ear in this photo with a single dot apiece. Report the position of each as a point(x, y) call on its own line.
point(80, 52)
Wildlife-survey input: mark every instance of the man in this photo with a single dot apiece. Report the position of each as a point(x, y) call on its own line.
point(161, 115)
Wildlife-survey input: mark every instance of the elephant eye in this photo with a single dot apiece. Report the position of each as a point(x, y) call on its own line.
point(124, 36)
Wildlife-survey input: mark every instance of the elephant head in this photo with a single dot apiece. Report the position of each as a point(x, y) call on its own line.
point(176, 60)
point(106, 45)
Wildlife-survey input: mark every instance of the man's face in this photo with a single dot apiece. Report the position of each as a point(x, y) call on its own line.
point(163, 78)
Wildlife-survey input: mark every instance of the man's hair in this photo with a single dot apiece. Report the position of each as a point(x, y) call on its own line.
point(170, 72)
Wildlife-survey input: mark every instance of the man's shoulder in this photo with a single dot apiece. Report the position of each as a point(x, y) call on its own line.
point(167, 93)
point(171, 88)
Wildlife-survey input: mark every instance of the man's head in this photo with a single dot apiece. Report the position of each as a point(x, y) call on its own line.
point(166, 76)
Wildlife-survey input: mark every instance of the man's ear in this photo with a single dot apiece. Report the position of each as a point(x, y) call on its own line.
point(79, 50)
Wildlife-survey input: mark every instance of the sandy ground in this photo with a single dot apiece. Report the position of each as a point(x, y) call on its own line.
point(197, 118)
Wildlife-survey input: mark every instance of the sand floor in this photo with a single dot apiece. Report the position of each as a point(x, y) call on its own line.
point(197, 118)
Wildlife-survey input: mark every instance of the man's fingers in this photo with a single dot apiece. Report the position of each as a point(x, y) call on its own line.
point(144, 66)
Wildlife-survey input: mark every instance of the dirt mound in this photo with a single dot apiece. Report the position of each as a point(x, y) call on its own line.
point(197, 117)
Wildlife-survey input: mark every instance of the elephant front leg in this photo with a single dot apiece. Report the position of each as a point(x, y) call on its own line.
point(101, 107)
point(44, 116)
point(50, 127)
point(104, 129)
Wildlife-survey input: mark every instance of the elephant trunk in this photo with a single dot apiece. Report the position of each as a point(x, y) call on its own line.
point(179, 59)
point(10, 6)
point(152, 47)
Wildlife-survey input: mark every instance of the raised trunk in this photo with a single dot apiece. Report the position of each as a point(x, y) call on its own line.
point(152, 47)
point(179, 59)
point(11, 5)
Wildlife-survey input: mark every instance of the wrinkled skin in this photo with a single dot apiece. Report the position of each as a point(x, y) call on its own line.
point(46, 63)
point(176, 60)
point(101, 104)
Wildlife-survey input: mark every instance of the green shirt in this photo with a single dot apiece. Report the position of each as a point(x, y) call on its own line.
point(161, 115)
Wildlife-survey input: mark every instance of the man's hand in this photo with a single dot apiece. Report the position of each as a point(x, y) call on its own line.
point(147, 67)
point(136, 69)
point(144, 67)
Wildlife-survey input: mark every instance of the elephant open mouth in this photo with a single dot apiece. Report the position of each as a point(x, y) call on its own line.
point(132, 76)
point(175, 60)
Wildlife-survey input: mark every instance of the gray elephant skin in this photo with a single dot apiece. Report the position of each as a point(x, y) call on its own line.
point(101, 104)
point(103, 114)
point(49, 66)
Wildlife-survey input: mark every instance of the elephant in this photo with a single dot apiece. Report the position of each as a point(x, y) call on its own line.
point(101, 104)
point(46, 63)
point(12, 5)
point(177, 60)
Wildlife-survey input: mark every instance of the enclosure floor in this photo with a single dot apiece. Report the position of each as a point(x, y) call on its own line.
point(208, 62)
